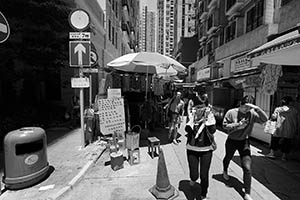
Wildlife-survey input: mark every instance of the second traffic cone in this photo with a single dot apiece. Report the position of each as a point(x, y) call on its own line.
point(163, 189)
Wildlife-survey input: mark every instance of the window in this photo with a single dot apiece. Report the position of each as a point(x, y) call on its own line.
point(116, 37)
point(209, 47)
point(192, 70)
point(117, 10)
point(230, 32)
point(210, 22)
point(109, 30)
point(221, 37)
point(229, 4)
point(113, 35)
point(254, 17)
point(283, 2)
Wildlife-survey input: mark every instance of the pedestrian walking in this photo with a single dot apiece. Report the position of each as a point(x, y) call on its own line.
point(175, 112)
point(286, 117)
point(75, 110)
point(200, 141)
point(239, 124)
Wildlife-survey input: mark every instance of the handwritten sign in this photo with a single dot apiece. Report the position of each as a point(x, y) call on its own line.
point(114, 93)
point(111, 116)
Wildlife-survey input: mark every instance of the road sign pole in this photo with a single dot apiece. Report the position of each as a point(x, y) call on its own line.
point(81, 110)
point(90, 89)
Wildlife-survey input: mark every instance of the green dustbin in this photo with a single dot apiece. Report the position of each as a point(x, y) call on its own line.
point(25, 157)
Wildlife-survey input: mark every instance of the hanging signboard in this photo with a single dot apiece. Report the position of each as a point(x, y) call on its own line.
point(111, 116)
point(81, 82)
point(113, 93)
point(79, 35)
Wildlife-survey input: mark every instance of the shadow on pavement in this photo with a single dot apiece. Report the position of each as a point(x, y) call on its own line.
point(272, 172)
point(232, 183)
point(190, 192)
point(49, 172)
point(160, 133)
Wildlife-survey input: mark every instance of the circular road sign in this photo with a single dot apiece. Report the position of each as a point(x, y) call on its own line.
point(94, 58)
point(4, 28)
point(79, 19)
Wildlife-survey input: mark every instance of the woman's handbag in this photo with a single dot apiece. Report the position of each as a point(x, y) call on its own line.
point(211, 138)
point(270, 127)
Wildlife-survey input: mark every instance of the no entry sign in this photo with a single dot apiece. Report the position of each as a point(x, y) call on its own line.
point(4, 28)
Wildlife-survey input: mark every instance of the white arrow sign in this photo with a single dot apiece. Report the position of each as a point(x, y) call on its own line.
point(80, 53)
point(79, 49)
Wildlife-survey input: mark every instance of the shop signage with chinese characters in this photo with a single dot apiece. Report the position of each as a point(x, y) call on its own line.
point(240, 64)
point(203, 74)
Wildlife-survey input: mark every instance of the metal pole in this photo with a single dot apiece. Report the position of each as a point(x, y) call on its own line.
point(81, 110)
point(90, 89)
point(146, 84)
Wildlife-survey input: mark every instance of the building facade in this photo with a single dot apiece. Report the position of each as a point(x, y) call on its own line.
point(166, 28)
point(147, 30)
point(227, 32)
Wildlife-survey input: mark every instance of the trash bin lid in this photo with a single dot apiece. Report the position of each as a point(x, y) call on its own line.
point(24, 135)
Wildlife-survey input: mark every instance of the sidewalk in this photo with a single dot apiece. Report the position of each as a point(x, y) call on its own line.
point(134, 182)
point(68, 162)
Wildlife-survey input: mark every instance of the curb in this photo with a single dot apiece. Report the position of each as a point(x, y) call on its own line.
point(77, 178)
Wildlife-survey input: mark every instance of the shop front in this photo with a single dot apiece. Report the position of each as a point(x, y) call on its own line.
point(280, 63)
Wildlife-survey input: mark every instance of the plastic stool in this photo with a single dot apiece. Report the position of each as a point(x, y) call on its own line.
point(153, 144)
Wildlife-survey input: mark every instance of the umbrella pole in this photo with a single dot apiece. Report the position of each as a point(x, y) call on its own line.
point(146, 96)
point(146, 83)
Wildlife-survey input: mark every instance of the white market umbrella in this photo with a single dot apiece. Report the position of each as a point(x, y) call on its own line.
point(147, 62)
point(138, 62)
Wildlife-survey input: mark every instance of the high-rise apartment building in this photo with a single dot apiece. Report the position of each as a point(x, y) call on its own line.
point(185, 19)
point(147, 30)
point(166, 26)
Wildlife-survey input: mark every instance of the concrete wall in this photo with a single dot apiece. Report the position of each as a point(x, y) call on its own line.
point(289, 15)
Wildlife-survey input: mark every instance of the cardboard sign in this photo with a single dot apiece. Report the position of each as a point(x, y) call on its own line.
point(111, 116)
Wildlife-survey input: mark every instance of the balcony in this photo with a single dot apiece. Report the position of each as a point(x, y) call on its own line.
point(211, 30)
point(233, 6)
point(203, 16)
point(212, 4)
point(125, 27)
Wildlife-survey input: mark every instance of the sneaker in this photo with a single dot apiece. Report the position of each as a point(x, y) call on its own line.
point(247, 197)
point(175, 142)
point(203, 198)
point(225, 176)
point(270, 155)
point(283, 158)
point(192, 183)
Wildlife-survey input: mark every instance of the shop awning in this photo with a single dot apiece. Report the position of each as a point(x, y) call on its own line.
point(284, 50)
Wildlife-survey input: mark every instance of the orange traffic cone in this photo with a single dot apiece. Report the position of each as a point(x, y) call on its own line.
point(163, 189)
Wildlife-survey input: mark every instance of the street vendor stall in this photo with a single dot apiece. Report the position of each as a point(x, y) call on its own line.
point(138, 69)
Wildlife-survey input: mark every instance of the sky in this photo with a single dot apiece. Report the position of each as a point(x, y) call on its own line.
point(150, 3)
